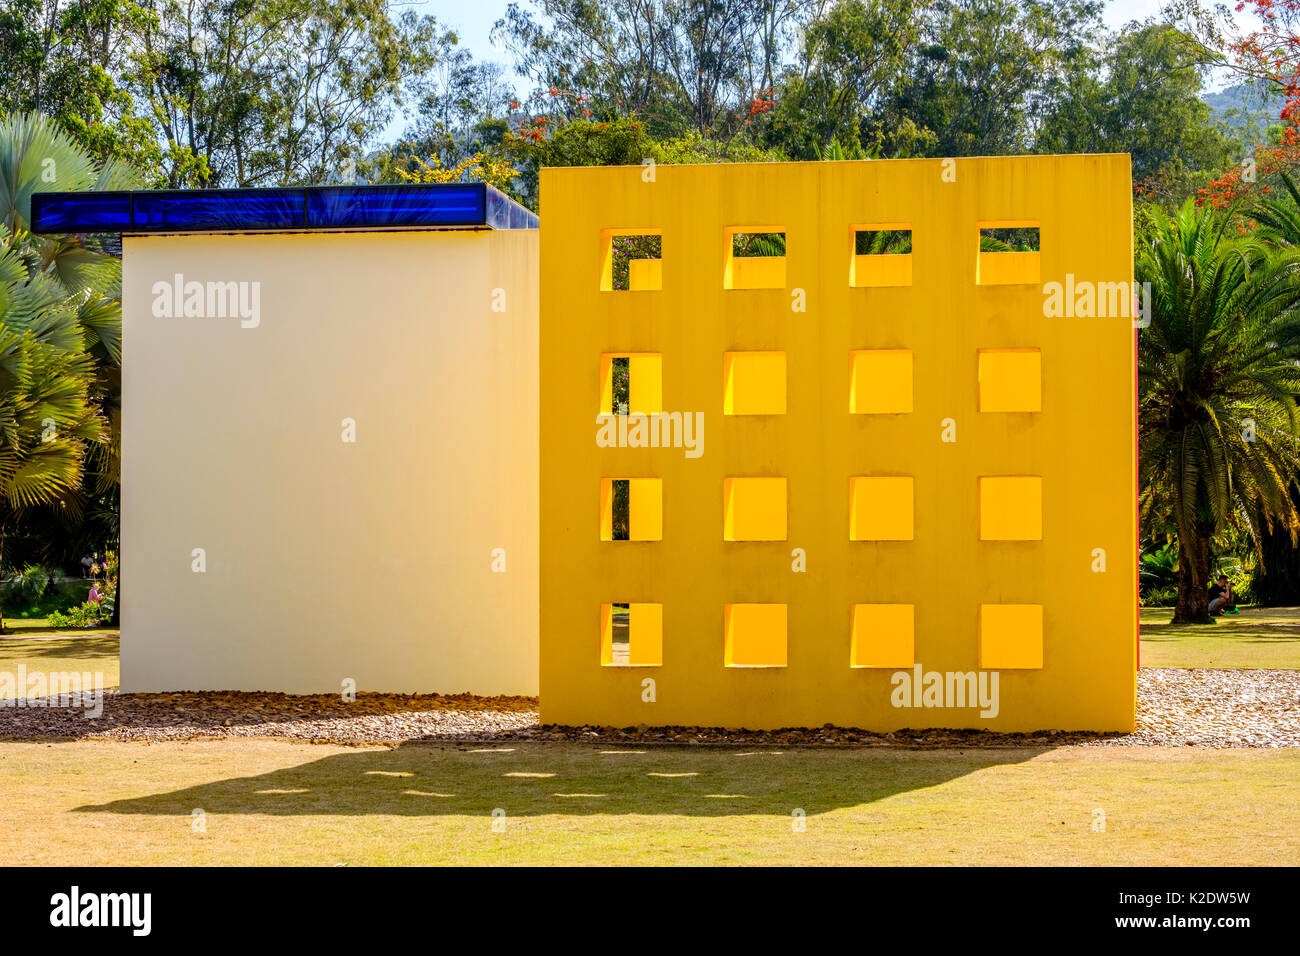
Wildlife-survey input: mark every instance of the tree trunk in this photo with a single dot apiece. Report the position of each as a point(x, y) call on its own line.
point(1193, 605)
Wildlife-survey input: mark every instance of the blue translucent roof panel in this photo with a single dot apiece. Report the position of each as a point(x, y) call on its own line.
point(207, 210)
point(423, 206)
point(69, 212)
point(380, 206)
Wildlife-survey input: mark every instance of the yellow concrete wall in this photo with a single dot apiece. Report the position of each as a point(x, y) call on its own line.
point(328, 560)
point(1076, 452)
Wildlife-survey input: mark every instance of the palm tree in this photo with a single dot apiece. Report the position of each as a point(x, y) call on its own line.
point(1278, 579)
point(75, 285)
point(47, 418)
point(1219, 379)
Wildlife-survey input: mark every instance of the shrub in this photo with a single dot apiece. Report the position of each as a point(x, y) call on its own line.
point(90, 614)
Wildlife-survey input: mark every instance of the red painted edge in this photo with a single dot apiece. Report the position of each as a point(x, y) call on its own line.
point(1137, 524)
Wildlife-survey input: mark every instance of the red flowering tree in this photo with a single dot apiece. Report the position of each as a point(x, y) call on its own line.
point(1270, 52)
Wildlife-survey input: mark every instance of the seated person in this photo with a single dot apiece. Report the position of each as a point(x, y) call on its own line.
point(1221, 596)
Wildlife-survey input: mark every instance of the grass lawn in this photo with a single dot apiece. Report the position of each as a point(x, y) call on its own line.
point(1257, 637)
point(273, 802)
point(55, 651)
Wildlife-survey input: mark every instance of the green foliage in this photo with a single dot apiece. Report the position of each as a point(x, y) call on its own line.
point(1158, 568)
point(746, 245)
point(60, 351)
point(676, 66)
point(217, 92)
point(237, 93)
point(1014, 239)
point(1218, 384)
point(31, 584)
point(1145, 101)
point(877, 242)
point(984, 74)
point(74, 60)
point(89, 614)
point(849, 62)
point(34, 593)
point(620, 142)
point(46, 416)
point(626, 248)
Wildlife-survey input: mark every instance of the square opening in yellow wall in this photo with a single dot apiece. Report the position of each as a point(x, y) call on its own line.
point(631, 379)
point(881, 255)
point(1011, 380)
point(1007, 252)
point(631, 635)
point(631, 509)
point(755, 635)
point(754, 383)
point(754, 257)
point(884, 635)
point(632, 260)
point(1011, 508)
point(753, 509)
point(881, 508)
point(1011, 636)
point(880, 382)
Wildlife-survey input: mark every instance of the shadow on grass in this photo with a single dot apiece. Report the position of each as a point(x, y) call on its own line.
point(1272, 623)
point(60, 645)
point(95, 646)
point(573, 780)
point(1246, 632)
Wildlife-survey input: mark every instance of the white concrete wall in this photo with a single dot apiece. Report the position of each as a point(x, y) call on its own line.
point(327, 560)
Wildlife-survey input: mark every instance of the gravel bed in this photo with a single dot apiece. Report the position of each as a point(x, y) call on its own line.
point(1176, 707)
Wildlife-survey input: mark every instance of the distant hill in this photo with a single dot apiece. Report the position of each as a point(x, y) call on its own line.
point(1246, 108)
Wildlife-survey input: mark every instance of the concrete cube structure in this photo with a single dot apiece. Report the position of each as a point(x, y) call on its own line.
point(874, 469)
point(329, 443)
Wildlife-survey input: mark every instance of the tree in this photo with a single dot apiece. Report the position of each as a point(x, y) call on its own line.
point(985, 72)
point(72, 60)
point(624, 142)
point(274, 92)
point(46, 415)
point(1277, 578)
point(462, 111)
point(675, 65)
point(1267, 55)
point(1219, 372)
point(1145, 101)
point(62, 307)
point(848, 61)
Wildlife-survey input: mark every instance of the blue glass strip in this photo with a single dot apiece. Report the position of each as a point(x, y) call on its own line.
point(206, 210)
point(504, 213)
point(81, 212)
point(351, 207)
point(435, 205)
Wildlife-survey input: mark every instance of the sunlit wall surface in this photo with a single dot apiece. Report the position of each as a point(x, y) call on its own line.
point(330, 462)
point(908, 496)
